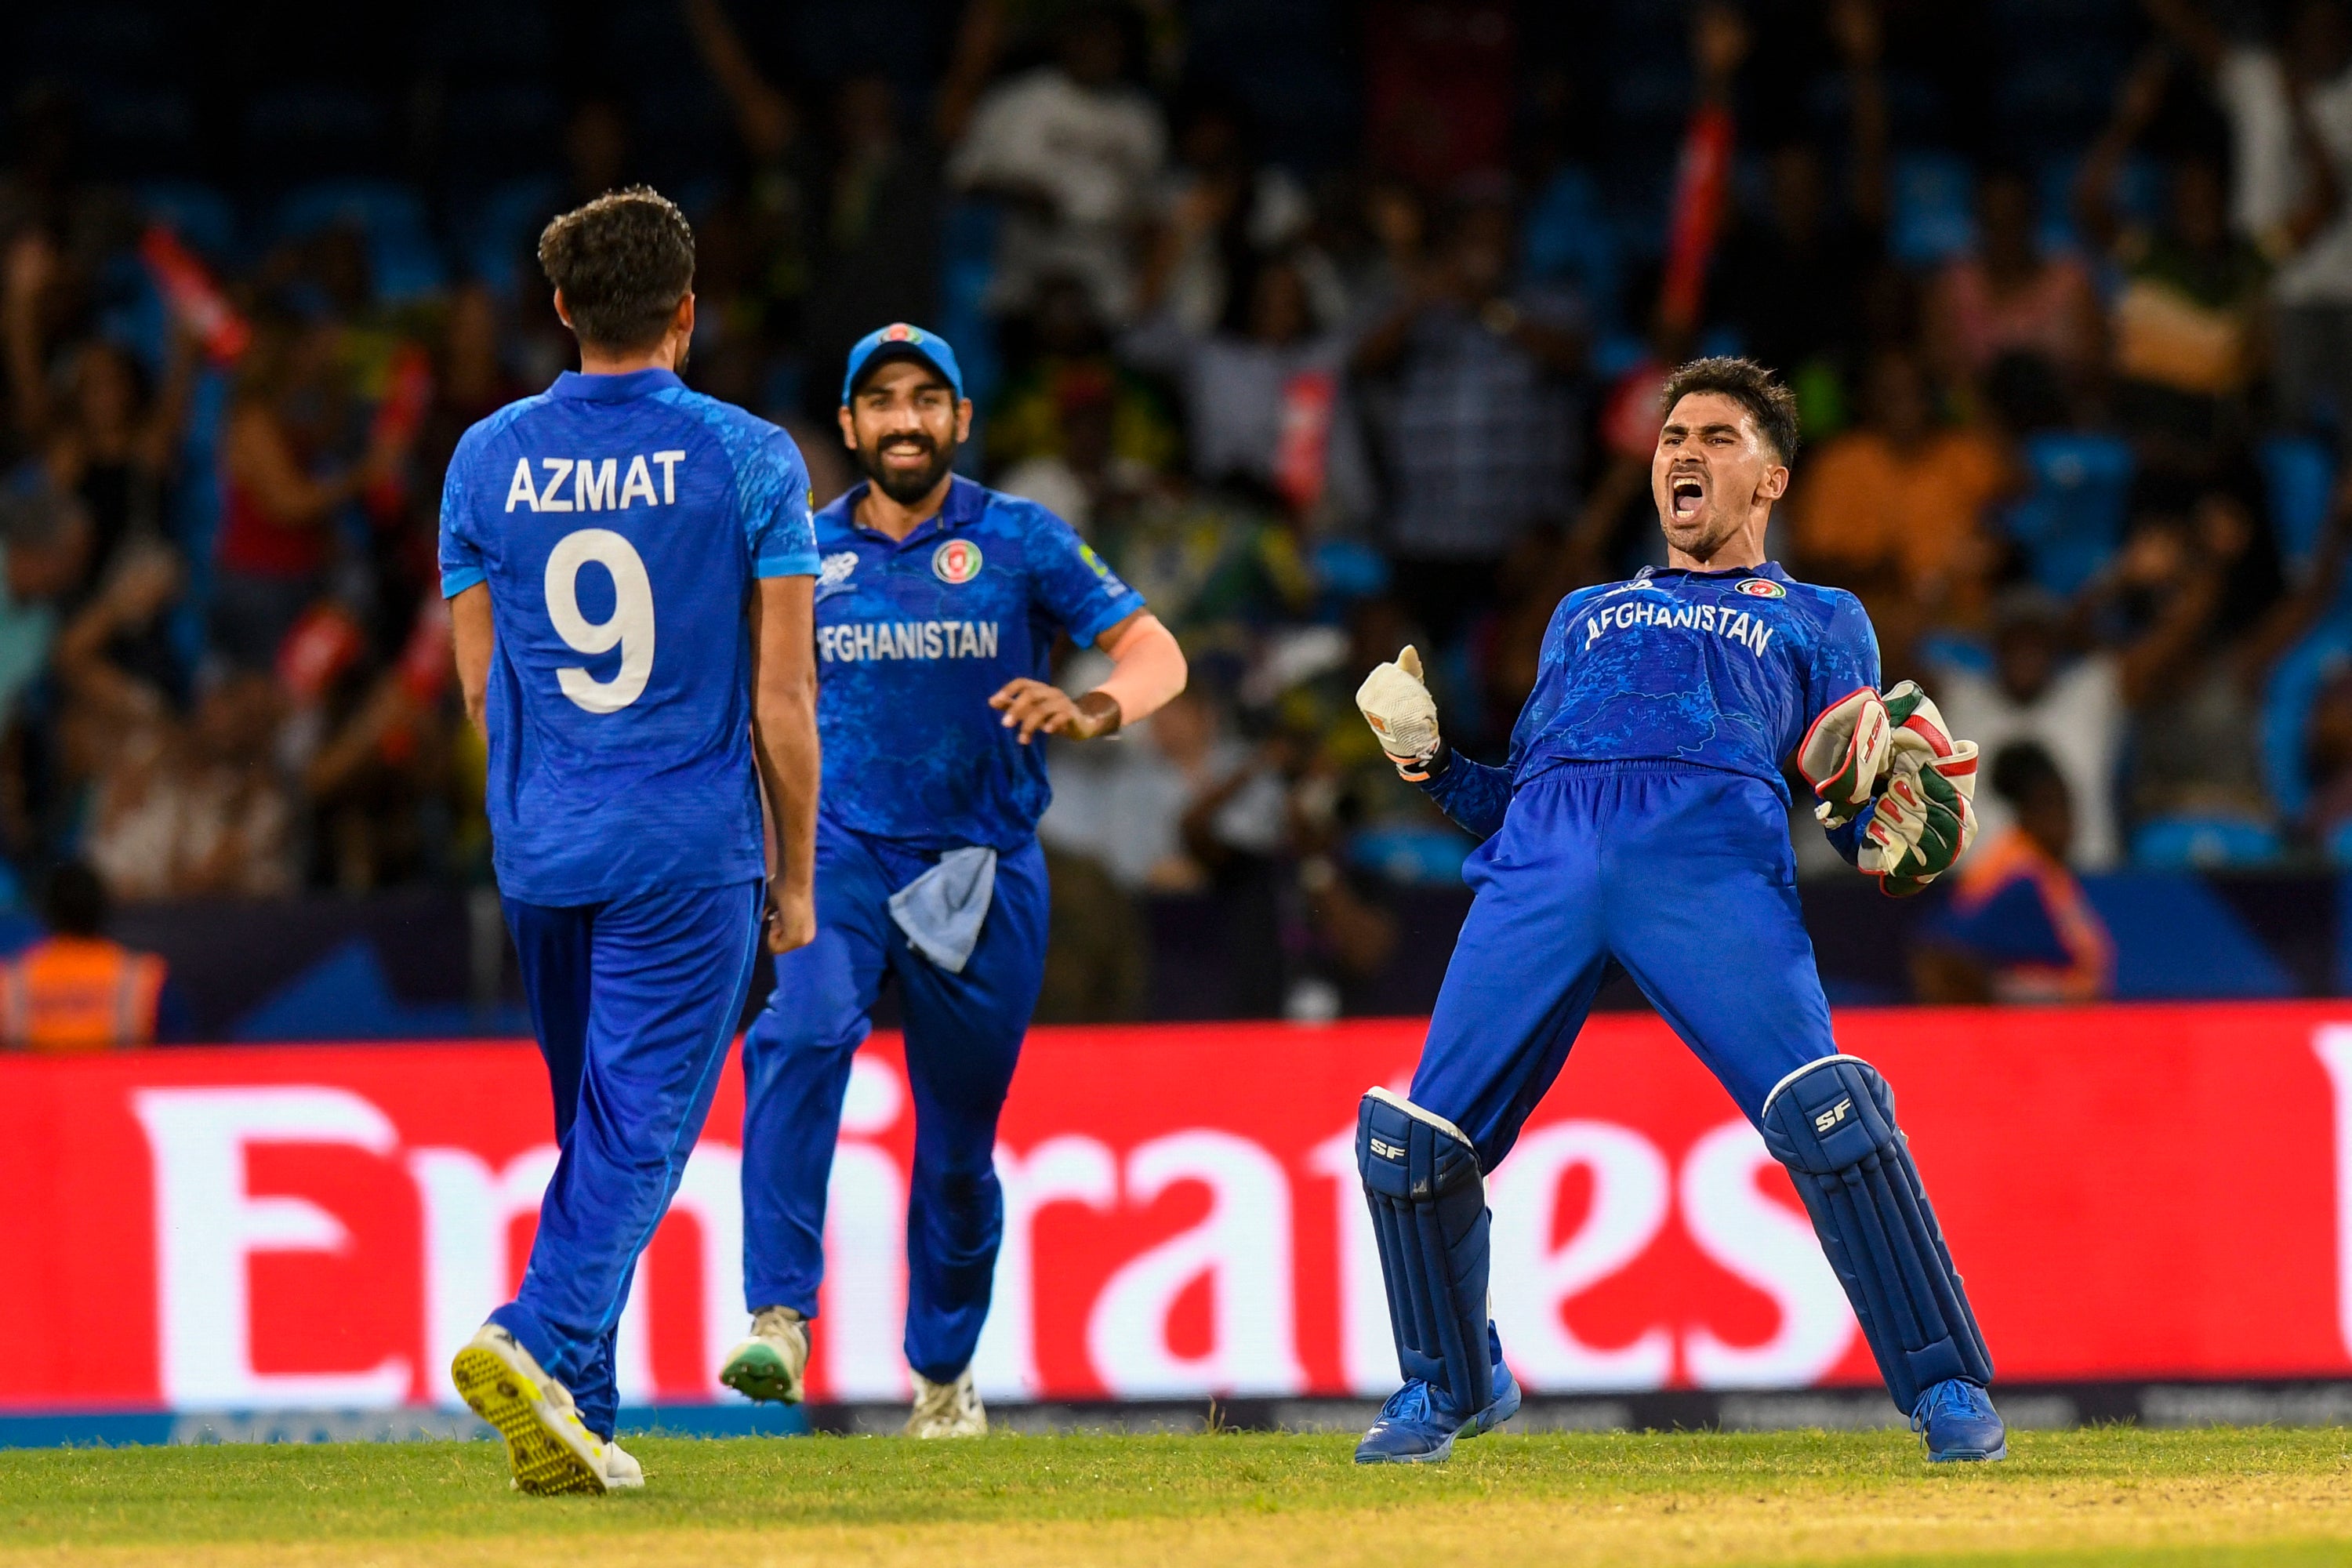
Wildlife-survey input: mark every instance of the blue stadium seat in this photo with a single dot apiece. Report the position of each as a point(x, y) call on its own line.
point(199, 215)
point(1935, 208)
point(496, 231)
point(2299, 478)
point(2203, 843)
point(2078, 488)
point(2287, 697)
point(1429, 855)
point(402, 254)
point(1568, 237)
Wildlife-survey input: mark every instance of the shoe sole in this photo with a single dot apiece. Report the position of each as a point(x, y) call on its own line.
point(756, 1372)
point(1436, 1456)
point(1963, 1456)
point(543, 1463)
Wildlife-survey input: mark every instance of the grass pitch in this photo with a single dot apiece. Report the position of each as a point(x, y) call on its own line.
point(2114, 1494)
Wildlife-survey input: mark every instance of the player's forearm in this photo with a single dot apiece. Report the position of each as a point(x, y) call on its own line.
point(476, 638)
point(1148, 668)
point(783, 721)
point(1472, 793)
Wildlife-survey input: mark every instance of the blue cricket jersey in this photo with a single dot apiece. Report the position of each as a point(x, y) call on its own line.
point(914, 636)
point(619, 521)
point(1716, 670)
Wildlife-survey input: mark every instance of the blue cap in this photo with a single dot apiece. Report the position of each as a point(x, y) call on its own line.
point(899, 340)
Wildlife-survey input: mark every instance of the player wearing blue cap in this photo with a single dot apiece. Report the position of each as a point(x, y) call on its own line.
point(937, 611)
point(1643, 818)
point(630, 568)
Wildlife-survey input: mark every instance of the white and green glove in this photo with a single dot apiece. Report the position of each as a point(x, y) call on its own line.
point(1845, 754)
point(1397, 704)
point(1926, 818)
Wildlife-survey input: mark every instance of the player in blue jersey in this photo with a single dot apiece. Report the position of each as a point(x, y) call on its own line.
point(936, 613)
point(1641, 816)
point(630, 567)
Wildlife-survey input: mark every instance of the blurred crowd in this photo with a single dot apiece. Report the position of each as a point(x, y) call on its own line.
point(1333, 328)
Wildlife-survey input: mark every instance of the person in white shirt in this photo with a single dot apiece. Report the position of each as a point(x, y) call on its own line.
point(1073, 152)
point(2072, 711)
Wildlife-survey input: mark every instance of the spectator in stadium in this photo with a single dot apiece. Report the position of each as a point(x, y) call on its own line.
point(2040, 690)
point(1067, 399)
point(44, 553)
point(1894, 509)
point(1486, 410)
point(2194, 603)
point(2006, 297)
point(2017, 927)
point(2289, 104)
point(2327, 762)
point(1072, 149)
point(76, 990)
point(281, 490)
point(2187, 326)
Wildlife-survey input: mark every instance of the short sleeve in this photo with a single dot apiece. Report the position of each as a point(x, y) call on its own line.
point(460, 549)
point(1846, 659)
point(1073, 583)
point(772, 489)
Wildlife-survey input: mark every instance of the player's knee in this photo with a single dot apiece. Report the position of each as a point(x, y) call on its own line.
point(1829, 1116)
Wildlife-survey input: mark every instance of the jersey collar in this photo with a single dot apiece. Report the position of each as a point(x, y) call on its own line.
point(1770, 569)
point(965, 500)
point(580, 388)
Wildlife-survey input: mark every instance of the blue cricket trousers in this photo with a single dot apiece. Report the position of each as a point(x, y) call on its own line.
point(634, 1002)
point(1684, 876)
point(963, 1035)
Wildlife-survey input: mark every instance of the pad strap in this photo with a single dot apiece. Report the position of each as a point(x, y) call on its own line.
point(1832, 1123)
point(1429, 1213)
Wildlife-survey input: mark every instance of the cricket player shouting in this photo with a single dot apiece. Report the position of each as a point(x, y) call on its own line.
point(1641, 816)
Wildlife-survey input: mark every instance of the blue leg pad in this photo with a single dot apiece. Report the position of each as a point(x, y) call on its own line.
point(1429, 1211)
point(1832, 1123)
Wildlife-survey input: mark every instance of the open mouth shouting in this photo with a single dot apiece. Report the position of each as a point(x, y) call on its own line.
point(1685, 494)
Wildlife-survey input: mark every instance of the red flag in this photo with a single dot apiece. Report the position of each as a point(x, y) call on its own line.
point(1699, 186)
point(1302, 448)
point(189, 289)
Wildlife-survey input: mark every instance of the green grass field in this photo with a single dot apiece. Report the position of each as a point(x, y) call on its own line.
point(2112, 1495)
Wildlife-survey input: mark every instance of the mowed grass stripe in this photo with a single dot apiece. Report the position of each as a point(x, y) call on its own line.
point(2113, 1495)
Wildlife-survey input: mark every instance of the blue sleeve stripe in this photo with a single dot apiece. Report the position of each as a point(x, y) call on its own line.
point(799, 563)
point(458, 580)
point(1118, 610)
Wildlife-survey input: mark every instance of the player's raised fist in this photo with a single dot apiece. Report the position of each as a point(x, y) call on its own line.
point(1843, 754)
point(1396, 703)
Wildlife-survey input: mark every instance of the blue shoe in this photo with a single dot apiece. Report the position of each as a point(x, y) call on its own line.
point(1958, 1422)
point(1415, 1428)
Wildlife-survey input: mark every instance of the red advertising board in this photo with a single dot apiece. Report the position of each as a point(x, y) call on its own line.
point(2131, 1192)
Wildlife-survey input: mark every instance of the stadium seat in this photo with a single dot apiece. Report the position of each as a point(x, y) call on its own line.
point(1567, 237)
point(202, 217)
point(2299, 482)
point(495, 232)
point(2293, 684)
point(2191, 843)
point(2078, 488)
point(1411, 855)
point(1935, 215)
point(402, 254)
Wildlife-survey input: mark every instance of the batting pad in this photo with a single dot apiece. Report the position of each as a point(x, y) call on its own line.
point(1832, 1123)
point(1429, 1211)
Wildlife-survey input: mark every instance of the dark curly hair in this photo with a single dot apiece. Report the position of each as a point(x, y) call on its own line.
point(1751, 387)
point(623, 261)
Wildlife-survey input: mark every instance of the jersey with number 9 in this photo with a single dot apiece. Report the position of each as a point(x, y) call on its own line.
point(619, 521)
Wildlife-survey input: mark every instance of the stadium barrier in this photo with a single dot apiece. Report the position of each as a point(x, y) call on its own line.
point(2135, 1193)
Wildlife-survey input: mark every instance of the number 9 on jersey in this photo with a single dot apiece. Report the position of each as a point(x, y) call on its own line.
point(630, 627)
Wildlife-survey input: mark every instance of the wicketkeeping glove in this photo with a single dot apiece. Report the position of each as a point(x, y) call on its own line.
point(1926, 817)
point(1397, 704)
point(1843, 754)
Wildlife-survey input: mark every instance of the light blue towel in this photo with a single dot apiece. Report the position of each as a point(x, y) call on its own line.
point(941, 910)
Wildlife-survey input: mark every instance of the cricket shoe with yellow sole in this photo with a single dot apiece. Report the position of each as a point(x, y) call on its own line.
point(768, 1366)
point(946, 1409)
point(549, 1448)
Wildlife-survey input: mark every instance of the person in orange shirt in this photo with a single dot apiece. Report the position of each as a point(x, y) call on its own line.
point(2018, 927)
point(1894, 509)
point(75, 991)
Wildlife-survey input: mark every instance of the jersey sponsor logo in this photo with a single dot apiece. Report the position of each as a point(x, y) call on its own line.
point(593, 484)
point(1750, 631)
point(833, 574)
point(1111, 585)
point(866, 642)
point(956, 563)
point(1759, 588)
